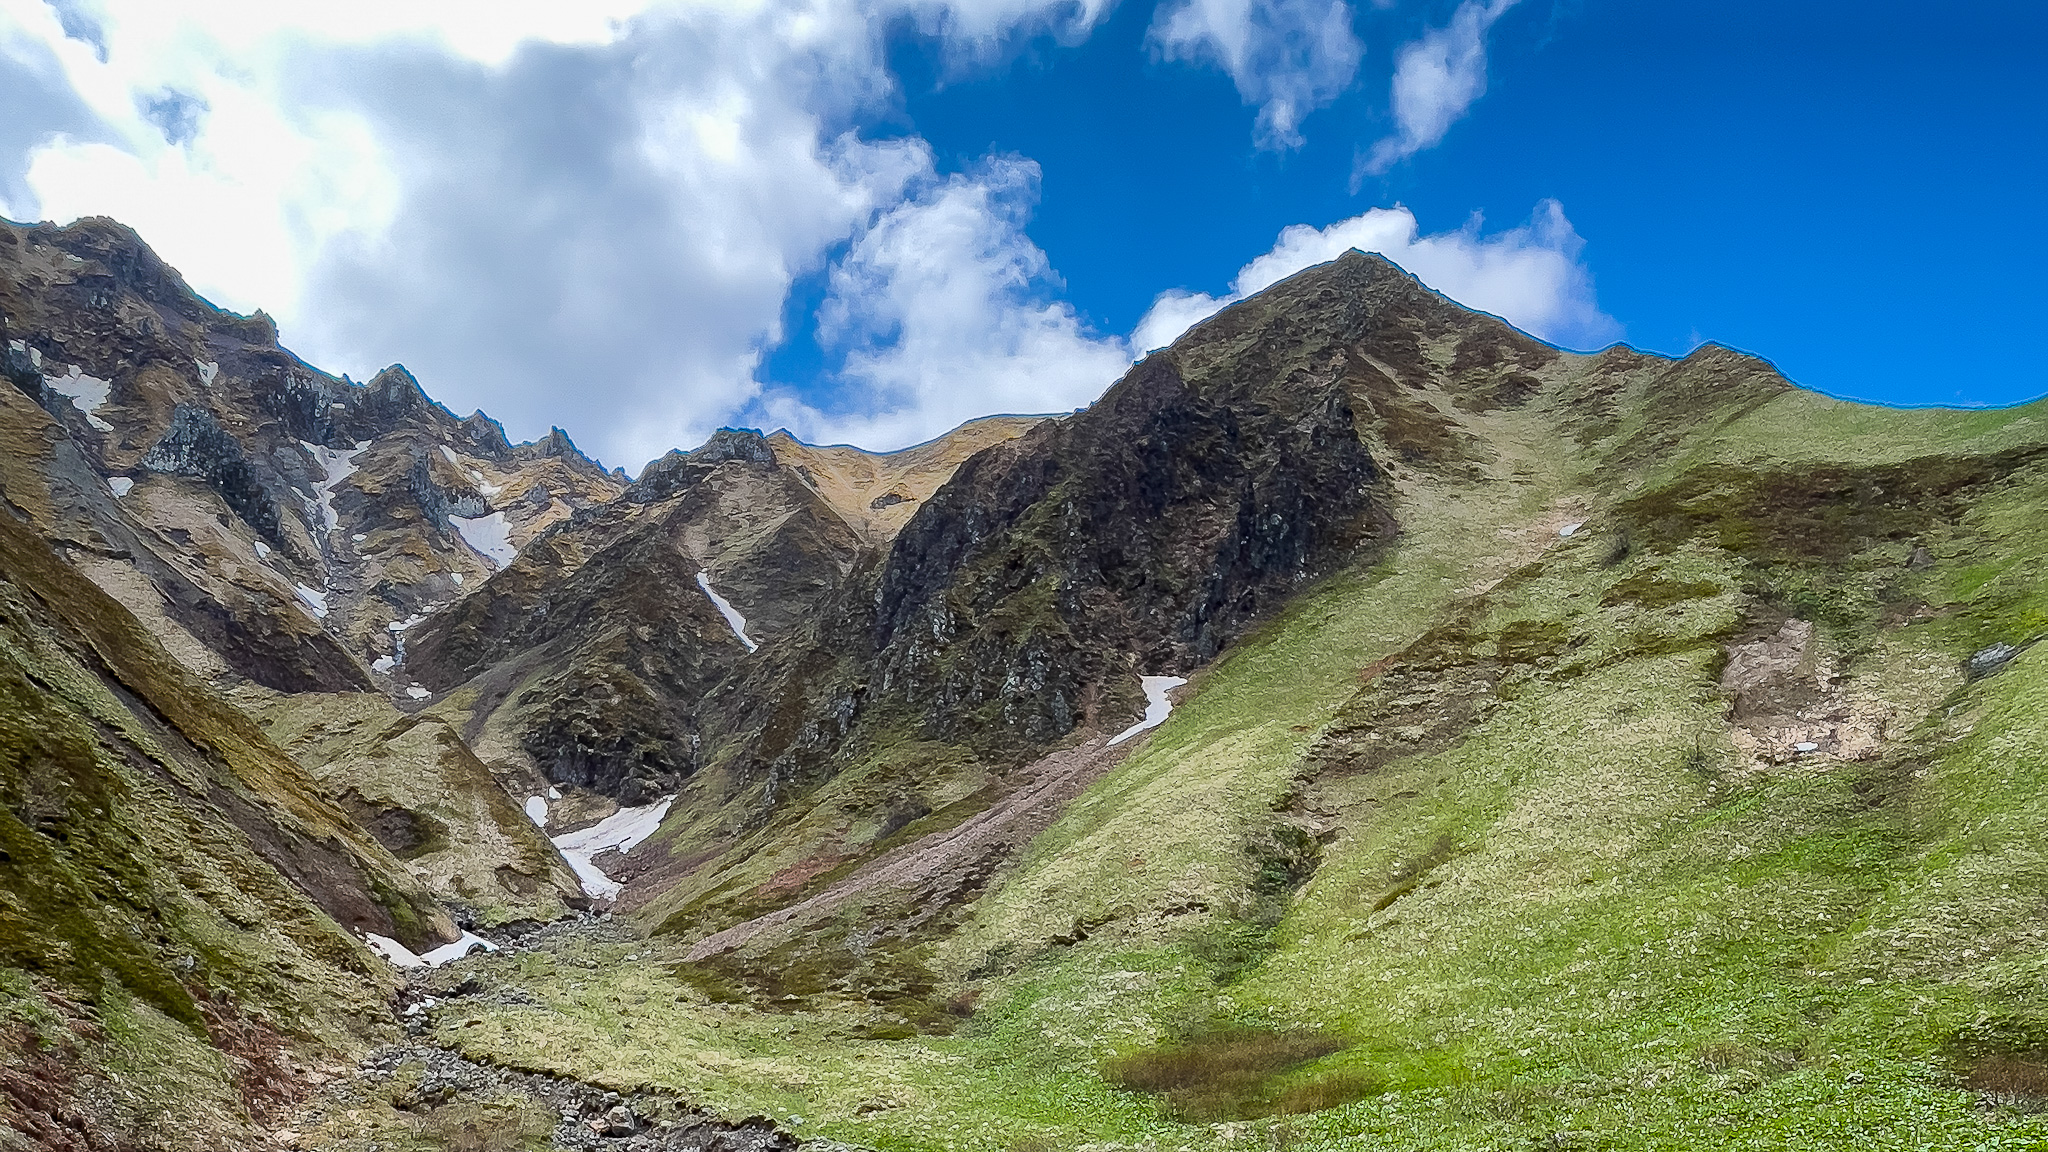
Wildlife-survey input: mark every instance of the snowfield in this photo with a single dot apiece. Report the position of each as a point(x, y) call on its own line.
point(733, 619)
point(490, 536)
point(314, 600)
point(402, 957)
point(335, 466)
point(621, 830)
point(1157, 706)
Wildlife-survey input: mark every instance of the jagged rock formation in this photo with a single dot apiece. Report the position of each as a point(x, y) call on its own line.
point(271, 520)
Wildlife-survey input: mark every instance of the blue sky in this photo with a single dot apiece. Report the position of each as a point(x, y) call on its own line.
point(869, 219)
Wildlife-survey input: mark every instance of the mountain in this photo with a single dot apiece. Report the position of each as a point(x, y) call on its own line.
point(1364, 725)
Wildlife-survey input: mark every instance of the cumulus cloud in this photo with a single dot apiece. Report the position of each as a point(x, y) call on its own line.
point(944, 311)
point(1289, 57)
point(522, 201)
point(1436, 79)
point(1530, 276)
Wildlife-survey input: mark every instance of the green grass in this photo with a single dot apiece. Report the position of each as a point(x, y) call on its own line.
point(1554, 903)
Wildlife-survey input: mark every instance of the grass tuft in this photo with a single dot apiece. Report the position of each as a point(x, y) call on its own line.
point(1227, 1073)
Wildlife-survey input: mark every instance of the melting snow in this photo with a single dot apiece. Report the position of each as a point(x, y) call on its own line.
point(1157, 706)
point(207, 371)
point(732, 616)
point(383, 664)
point(1572, 527)
point(315, 599)
point(489, 490)
point(86, 392)
point(403, 957)
point(490, 535)
point(337, 466)
point(121, 485)
point(621, 830)
point(537, 810)
point(411, 621)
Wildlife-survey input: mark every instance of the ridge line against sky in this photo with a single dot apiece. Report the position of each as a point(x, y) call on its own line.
point(871, 220)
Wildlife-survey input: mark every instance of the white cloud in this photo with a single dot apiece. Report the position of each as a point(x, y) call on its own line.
point(1529, 276)
point(522, 201)
point(1436, 79)
point(945, 311)
point(1289, 57)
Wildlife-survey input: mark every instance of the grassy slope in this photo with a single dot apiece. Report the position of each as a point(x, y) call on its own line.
point(1605, 929)
point(153, 964)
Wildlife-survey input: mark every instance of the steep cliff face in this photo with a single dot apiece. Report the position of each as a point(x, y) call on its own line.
point(265, 518)
point(599, 647)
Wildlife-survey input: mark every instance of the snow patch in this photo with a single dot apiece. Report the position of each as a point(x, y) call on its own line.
point(412, 621)
point(336, 465)
point(85, 392)
point(1157, 706)
point(384, 664)
point(537, 810)
point(262, 550)
point(622, 830)
point(358, 538)
point(554, 793)
point(1572, 527)
point(489, 490)
point(402, 957)
point(314, 599)
point(417, 692)
point(469, 943)
point(121, 485)
point(737, 622)
point(449, 453)
point(490, 536)
point(455, 576)
point(208, 369)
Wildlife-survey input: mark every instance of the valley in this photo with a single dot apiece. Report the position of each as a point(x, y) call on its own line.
point(1572, 751)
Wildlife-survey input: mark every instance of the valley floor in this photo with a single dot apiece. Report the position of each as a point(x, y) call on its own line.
point(1577, 902)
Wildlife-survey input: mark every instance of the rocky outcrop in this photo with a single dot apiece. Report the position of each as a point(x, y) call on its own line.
point(1141, 535)
point(195, 445)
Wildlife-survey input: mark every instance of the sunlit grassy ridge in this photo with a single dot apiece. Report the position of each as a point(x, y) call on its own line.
point(1557, 903)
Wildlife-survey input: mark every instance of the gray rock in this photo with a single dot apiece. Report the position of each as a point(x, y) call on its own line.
point(1985, 661)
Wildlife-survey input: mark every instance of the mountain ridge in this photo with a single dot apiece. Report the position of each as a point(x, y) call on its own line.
point(1547, 717)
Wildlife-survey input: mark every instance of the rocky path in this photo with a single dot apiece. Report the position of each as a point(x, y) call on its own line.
point(955, 857)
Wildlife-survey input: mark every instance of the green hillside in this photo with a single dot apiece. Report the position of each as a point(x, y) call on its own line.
point(1492, 845)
